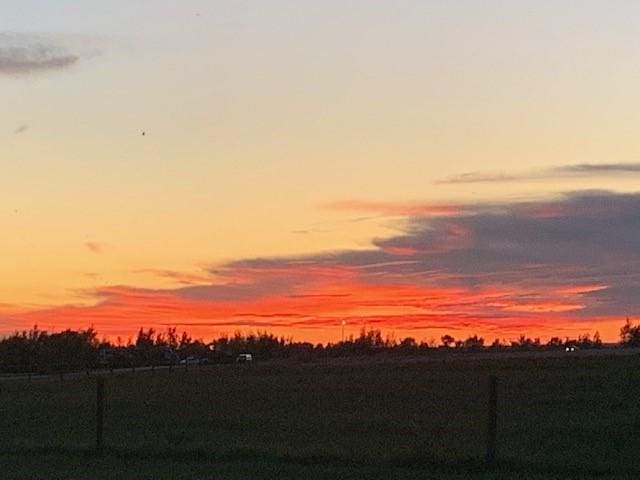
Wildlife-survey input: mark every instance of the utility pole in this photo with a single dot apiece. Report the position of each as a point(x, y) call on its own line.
point(492, 424)
point(99, 411)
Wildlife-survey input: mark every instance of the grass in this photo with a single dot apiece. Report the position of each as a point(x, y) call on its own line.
point(567, 417)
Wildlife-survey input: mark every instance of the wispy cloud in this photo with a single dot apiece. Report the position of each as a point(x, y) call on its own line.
point(395, 208)
point(21, 129)
point(597, 168)
point(185, 278)
point(309, 231)
point(564, 171)
point(22, 54)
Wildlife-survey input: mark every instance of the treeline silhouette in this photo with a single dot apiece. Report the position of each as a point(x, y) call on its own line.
point(37, 351)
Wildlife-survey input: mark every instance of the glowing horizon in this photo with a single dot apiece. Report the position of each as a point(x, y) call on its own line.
point(498, 270)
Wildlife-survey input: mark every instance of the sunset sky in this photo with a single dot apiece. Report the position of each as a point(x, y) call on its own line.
point(420, 167)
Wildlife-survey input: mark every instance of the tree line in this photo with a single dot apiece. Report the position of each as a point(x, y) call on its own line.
point(39, 351)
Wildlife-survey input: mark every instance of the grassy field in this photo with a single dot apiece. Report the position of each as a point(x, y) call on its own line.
point(564, 417)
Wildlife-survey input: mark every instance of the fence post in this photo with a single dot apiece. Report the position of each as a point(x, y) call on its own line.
point(492, 422)
point(99, 410)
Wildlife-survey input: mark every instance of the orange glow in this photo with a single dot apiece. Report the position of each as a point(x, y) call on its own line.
point(335, 295)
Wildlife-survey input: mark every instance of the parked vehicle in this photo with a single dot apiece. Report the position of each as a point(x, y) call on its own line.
point(193, 360)
point(244, 358)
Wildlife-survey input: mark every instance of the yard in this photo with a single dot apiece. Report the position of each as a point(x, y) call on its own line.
point(558, 416)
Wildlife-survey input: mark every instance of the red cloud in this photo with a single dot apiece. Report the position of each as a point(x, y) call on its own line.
point(490, 311)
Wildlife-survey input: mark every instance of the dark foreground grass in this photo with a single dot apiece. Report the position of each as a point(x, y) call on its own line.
point(111, 465)
point(61, 466)
point(569, 417)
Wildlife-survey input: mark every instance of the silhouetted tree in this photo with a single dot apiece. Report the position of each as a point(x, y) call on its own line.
point(36, 349)
point(597, 341)
point(630, 334)
point(447, 341)
point(555, 343)
point(408, 345)
point(474, 343)
point(525, 343)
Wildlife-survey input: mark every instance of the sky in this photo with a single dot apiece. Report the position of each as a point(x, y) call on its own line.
point(418, 167)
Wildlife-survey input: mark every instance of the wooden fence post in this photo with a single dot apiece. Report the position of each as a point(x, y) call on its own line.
point(99, 410)
point(492, 422)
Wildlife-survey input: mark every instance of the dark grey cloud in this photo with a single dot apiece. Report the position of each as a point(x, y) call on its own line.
point(576, 170)
point(27, 54)
point(534, 249)
point(596, 168)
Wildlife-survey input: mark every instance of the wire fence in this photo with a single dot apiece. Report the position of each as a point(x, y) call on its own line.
point(62, 370)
